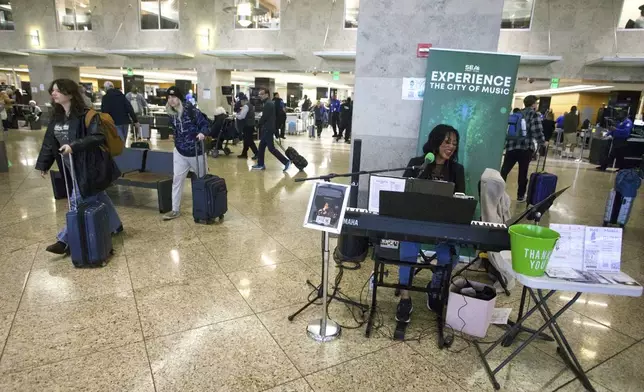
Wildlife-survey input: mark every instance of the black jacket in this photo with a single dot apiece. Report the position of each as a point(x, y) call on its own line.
point(548, 129)
point(93, 166)
point(116, 105)
point(267, 121)
point(280, 114)
point(452, 171)
point(346, 113)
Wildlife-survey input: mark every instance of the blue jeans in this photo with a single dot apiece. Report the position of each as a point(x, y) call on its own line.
point(115, 221)
point(409, 253)
point(123, 130)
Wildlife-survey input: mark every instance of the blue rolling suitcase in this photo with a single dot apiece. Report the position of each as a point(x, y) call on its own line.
point(209, 195)
point(541, 184)
point(88, 233)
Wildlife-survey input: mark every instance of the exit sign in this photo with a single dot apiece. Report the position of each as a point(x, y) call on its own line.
point(130, 72)
point(554, 83)
point(336, 75)
point(423, 50)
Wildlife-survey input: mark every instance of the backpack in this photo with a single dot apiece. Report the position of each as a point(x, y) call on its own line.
point(113, 142)
point(517, 128)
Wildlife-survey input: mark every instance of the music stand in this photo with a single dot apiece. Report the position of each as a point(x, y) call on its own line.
point(535, 213)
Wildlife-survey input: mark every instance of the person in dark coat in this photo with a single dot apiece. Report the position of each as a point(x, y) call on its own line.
point(267, 125)
point(93, 166)
point(443, 142)
point(346, 118)
point(246, 122)
point(319, 111)
point(116, 105)
point(280, 116)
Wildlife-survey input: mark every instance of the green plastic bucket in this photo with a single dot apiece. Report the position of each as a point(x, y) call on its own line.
point(531, 247)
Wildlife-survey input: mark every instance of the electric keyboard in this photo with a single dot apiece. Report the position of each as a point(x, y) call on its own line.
point(483, 235)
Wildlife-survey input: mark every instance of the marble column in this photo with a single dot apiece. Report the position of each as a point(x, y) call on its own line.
point(388, 35)
point(208, 77)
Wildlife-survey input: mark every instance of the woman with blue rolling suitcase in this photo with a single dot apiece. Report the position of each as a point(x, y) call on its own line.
point(87, 236)
point(189, 125)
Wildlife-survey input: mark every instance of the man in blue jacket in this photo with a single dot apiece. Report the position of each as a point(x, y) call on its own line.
point(119, 108)
point(267, 125)
point(334, 105)
point(619, 134)
point(189, 126)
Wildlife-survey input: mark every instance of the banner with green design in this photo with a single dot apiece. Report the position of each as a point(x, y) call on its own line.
point(471, 91)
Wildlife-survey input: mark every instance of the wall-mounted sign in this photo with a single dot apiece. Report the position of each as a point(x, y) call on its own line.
point(554, 83)
point(423, 50)
point(336, 75)
point(130, 72)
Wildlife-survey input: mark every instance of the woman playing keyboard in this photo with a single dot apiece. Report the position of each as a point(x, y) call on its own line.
point(443, 143)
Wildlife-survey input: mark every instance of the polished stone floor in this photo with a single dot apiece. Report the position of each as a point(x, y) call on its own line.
point(186, 307)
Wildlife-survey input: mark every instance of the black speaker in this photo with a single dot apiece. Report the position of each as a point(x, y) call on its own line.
point(352, 248)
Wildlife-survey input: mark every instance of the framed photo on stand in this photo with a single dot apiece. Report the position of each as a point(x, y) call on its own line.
point(327, 206)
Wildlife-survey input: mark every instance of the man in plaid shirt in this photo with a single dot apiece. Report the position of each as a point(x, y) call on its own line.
point(520, 150)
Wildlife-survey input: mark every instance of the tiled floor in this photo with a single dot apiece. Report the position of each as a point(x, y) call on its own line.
point(185, 307)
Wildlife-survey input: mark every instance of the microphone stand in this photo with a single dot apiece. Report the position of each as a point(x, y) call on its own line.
point(324, 329)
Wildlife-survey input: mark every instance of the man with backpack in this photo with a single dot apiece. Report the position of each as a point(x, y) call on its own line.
point(524, 137)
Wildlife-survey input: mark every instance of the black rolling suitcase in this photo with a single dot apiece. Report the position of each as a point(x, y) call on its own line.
point(58, 185)
point(298, 160)
point(140, 144)
point(209, 195)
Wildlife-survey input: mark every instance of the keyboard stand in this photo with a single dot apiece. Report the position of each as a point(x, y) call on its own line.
point(441, 294)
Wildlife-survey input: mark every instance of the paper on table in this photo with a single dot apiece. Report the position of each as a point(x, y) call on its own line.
point(382, 183)
point(500, 315)
point(603, 249)
point(562, 273)
point(569, 251)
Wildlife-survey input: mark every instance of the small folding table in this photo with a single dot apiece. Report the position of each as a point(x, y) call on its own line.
point(535, 287)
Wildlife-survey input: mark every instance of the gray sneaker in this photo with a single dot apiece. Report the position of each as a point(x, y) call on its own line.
point(171, 215)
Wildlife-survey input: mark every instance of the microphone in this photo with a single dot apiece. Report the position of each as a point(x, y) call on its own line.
point(429, 159)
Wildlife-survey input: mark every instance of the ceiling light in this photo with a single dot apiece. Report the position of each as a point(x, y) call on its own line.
point(243, 9)
point(244, 22)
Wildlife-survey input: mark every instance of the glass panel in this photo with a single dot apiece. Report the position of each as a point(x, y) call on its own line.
point(351, 14)
point(149, 14)
point(517, 14)
point(632, 15)
point(74, 14)
point(170, 14)
point(257, 14)
point(83, 15)
point(6, 16)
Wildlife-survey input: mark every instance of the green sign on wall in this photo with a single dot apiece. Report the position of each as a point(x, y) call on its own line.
point(471, 91)
point(336, 75)
point(130, 72)
point(554, 83)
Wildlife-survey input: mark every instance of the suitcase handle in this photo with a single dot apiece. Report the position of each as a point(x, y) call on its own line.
point(545, 156)
point(73, 176)
point(203, 150)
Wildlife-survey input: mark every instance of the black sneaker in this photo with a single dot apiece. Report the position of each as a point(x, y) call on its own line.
point(242, 156)
point(403, 311)
point(59, 248)
point(118, 230)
